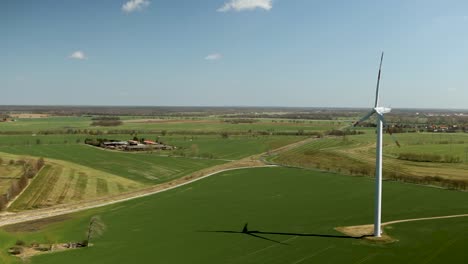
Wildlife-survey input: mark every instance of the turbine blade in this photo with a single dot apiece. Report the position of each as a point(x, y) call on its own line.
point(364, 118)
point(378, 82)
point(389, 131)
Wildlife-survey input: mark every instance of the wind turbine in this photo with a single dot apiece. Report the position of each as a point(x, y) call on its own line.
point(379, 112)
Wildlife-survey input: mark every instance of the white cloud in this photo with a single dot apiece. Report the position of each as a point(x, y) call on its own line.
point(240, 5)
point(78, 55)
point(135, 5)
point(214, 57)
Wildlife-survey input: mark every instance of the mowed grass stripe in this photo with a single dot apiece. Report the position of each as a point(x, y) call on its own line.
point(101, 187)
point(80, 187)
point(66, 188)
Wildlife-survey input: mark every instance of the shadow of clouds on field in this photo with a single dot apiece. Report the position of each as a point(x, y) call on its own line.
point(258, 233)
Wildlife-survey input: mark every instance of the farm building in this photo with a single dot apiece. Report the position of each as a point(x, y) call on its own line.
point(129, 145)
point(115, 143)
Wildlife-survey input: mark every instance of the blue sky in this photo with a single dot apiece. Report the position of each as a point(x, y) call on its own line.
point(234, 52)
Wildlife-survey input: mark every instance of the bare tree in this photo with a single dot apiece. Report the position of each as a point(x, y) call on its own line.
point(95, 228)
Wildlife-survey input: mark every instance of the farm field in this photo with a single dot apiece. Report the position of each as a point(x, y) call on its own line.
point(204, 219)
point(8, 173)
point(64, 182)
point(356, 155)
point(203, 125)
point(142, 167)
point(233, 147)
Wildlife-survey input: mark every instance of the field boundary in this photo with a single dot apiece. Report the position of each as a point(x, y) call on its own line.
point(9, 218)
point(30, 181)
point(254, 161)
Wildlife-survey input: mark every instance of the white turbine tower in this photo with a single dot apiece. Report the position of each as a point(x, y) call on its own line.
point(379, 112)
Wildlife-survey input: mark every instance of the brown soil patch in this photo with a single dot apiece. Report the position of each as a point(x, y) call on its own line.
point(35, 225)
point(365, 232)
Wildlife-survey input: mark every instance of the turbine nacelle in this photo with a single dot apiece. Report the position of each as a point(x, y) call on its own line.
point(382, 110)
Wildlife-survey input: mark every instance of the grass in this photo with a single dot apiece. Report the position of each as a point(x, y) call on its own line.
point(149, 168)
point(142, 167)
point(234, 147)
point(171, 227)
point(64, 182)
point(8, 173)
point(36, 125)
point(356, 155)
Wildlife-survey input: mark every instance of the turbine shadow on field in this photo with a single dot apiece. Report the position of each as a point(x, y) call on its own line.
point(258, 233)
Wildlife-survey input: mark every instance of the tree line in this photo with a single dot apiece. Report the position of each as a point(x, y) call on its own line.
point(29, 171)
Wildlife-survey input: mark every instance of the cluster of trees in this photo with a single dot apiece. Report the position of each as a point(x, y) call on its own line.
point(429, 157)
point(30, 169)
point(344, 132)
point(318, 115)
point(429, 180)
point(106, 121)
point(241, 121)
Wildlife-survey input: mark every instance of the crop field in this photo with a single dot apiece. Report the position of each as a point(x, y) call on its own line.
point(356, 155)
point(213, 146)
point(142, 167)
point(8, 172)
point(294, 212)
point(234, 147)
point(199, 125)
point(63, 182)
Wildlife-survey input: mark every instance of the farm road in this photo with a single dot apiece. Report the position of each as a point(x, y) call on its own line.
point(9, 218)
point(423, 218)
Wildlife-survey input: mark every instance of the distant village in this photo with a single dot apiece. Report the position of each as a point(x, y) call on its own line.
point(129, 145)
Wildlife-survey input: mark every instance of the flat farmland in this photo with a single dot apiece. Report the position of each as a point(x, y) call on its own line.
point(8, 173)
point(141, 167)
point(200, 125)
point(214, 146)
point(47, 123)
point(356, 155)
point(293, 211)
point(61, 182)
point(233, 147)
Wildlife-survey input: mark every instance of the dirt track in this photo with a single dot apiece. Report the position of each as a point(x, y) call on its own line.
point(8, 218)
point(423, 218)
point(366, 231)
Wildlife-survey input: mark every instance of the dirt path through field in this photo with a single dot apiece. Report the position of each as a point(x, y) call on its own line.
point(8, 218)
point(423, 218)
point(366, 231)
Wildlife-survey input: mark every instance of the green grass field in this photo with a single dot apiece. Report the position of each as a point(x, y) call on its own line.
point(142, 167)
point(195, 223)
point(356, 155)
point(61, 182)
point(36, 125)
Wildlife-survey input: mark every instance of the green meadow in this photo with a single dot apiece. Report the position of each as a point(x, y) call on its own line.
point(140, 167)
point(195, 125)
point(201, 223)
